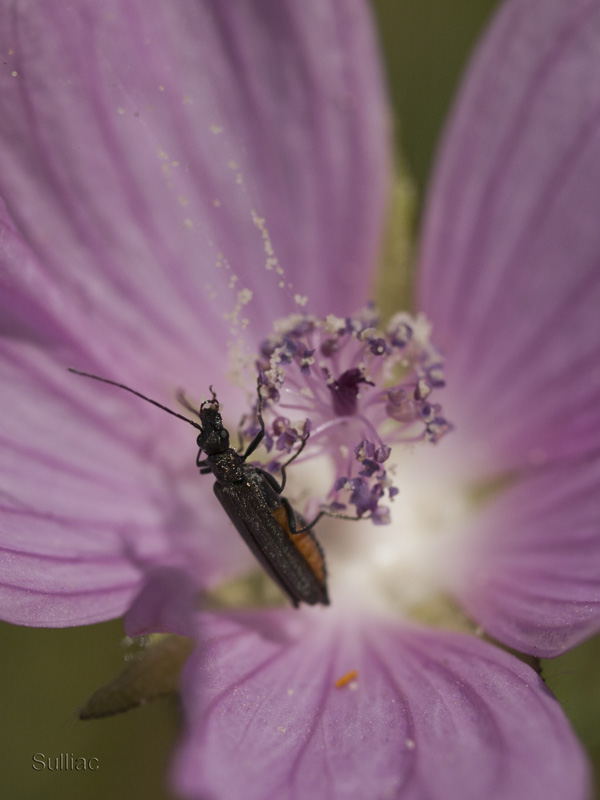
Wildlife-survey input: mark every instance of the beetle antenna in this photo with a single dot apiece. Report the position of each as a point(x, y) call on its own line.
point(137, 394)
point(181, 398)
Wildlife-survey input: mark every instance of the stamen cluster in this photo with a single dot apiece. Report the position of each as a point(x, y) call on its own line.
point(355, 391)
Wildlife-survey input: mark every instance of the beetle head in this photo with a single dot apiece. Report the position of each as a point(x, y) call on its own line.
point(214, 436)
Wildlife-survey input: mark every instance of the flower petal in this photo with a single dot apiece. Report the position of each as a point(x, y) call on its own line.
point(29, 306)
point(531, 575)
point(153, 153)
point(511, 255)
point(429, 714)
point(119, 125)
point(164, 605)
point(88, 502)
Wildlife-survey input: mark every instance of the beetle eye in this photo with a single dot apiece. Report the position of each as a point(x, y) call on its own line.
point(223, 433)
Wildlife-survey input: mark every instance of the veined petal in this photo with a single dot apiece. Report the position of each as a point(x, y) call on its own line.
point(531, 575)
point(30, 305)
point(153, 154)
point(152, 157)
point(276, 711)
point(511, 256)
point(88, 501)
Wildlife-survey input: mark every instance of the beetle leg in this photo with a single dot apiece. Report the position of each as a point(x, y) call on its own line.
point(261, 434)
point(335, 516)
point(291, 516)
point(240, 448)
point(289, 461)
point(270, 479)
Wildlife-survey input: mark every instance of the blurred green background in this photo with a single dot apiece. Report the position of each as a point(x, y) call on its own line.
point(46, 674)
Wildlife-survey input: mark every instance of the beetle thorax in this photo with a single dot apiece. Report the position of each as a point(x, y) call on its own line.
point(227, 467)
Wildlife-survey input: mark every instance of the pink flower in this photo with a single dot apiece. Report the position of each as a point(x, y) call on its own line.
point(179, 176)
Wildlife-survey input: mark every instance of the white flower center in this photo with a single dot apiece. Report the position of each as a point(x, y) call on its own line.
point(404, 568)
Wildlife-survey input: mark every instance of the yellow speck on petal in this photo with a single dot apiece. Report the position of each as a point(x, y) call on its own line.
point(216, 129)
point(347, 679)
point(14, 73)
point(174, 163)
point(161, 88)
point(182, 200)
point(239, 178)
point(300, 299)
point(233, 165)
point(216, 203)
point(11, 52)
point(187, 223)
point(188, 100)
point(162, 154)
point(120, 110)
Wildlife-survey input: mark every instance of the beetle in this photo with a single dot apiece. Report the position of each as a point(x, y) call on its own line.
point(252, 498)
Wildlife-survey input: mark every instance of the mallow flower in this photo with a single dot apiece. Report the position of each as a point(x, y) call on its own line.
point(193, 196)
